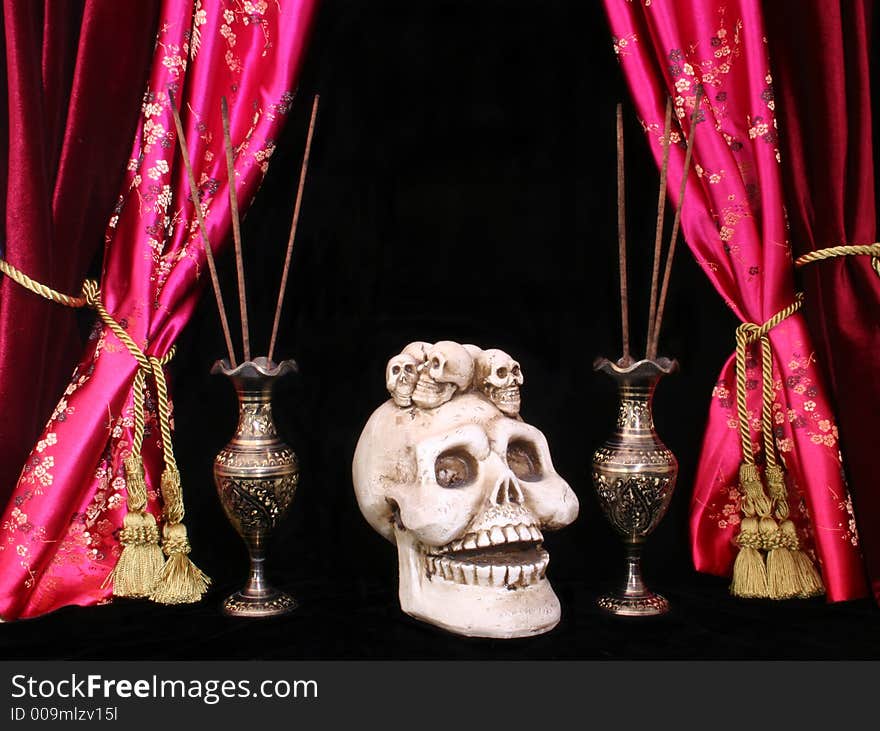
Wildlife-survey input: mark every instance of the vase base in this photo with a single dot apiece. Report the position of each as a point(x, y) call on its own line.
point(642, 605)
point(273, 604)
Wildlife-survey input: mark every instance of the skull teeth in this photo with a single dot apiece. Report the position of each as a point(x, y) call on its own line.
point(448, 564)
point(496, 536)
point(497, 576)
point(507, 394)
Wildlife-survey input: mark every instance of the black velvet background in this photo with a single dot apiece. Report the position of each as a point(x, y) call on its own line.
point(461, 187)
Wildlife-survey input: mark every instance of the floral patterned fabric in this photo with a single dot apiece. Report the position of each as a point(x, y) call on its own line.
point(58, 536)
point(57, 58)
point(828, 160)
point(734, 223)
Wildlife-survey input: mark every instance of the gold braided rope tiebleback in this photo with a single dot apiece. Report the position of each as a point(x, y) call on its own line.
point(769, 563)
point(42, 290)
point(141, 571)
point(833, 252)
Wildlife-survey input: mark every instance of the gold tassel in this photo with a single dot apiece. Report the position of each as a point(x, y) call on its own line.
point(141, 559)
point(782, 572)
point(749, 575)
point(808, 582)
point(808, 576)
point(180, 581)
point(782, 576)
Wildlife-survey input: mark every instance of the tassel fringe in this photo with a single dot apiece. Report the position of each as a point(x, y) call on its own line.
point(141, 559)
point(807, 580)
point(749, 574)
point(180, 581)
point(782, 576)
point(808, 576)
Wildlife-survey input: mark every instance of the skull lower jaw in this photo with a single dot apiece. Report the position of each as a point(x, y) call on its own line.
point(429, 394)
point(507, 399)
point(402, 395)
point(475, 610)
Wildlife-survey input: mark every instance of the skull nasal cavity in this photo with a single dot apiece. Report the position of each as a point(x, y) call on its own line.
point(507, 491)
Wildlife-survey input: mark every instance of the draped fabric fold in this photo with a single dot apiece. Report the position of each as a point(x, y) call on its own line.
point(734, 223)
point(73, 75)
point(59, 534)
point(828, 162)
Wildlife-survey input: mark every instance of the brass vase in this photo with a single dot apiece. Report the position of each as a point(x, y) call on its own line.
point(256, 476)
point(634, 476)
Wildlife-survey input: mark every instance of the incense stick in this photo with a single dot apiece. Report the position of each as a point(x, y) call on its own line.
point(621, 237)
point(676, 222)
point(658, 236)
point(236, 231)
point(293, 225)
point(209, 254)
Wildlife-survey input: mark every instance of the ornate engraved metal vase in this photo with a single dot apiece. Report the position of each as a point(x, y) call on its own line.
point(634, 476)
point(256, 476)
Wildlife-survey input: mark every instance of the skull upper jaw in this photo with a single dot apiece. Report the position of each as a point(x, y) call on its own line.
point(529, 607)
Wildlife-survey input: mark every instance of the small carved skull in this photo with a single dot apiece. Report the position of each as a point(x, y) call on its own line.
point(401, 375)
point(499, 377)
point(448, 369)
point(418, 350)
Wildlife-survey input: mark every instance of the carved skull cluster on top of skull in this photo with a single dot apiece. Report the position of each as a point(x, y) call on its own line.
point(449, 472)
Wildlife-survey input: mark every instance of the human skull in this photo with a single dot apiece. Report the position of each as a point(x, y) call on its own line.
point(418, 350)
point(499, 376)
point(465, 491)
point(474, 351)
point(448, 368)
point(401, 375)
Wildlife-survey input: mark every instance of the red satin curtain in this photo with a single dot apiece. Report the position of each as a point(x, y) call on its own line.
point(73, 74)
point(821, 52)
point(59, 533)
point(734, 222)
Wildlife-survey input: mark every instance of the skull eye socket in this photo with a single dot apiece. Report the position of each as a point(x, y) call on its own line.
point(395, 370)
point(455, 468)
point(435, 362)
point(523, 460)
point(501, 372)
point(409, 368)
point(515, 370)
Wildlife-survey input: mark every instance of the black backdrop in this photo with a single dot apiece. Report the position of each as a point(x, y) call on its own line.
point(462, 186)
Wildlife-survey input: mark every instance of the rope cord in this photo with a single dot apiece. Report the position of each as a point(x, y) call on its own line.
point(832, 252)
point(746, 334)
point(53, 295)
point(767, 401)
point(147, 365)
point(137, 396)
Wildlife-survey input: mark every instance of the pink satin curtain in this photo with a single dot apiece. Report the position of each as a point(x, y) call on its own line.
point(828, 161)
point(58, 536)
point(734, 223)
point(73, 74)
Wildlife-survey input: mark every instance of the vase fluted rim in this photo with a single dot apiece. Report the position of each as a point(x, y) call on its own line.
point(257, 367)
point(645, 366)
